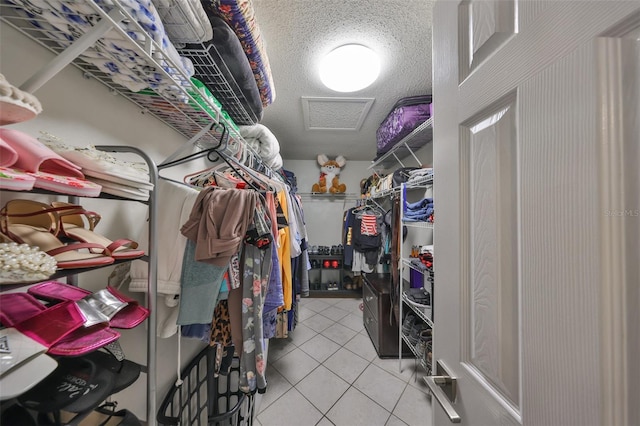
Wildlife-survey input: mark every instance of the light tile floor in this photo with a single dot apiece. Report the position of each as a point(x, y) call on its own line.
point(327, 373)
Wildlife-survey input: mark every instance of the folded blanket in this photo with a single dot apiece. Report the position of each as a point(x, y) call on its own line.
point(184, 20)
point(239, 14)
point(419, 204)
point(226, 52)
point(260, 138)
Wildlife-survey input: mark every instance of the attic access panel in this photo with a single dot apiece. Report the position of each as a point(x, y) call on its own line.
point(335, 113)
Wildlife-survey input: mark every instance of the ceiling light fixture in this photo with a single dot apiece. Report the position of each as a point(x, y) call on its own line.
point(349, 68)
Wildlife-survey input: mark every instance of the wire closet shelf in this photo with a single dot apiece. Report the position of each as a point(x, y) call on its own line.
point(181, 112)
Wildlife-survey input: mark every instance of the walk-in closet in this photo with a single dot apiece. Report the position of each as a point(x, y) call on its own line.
point(227, 212)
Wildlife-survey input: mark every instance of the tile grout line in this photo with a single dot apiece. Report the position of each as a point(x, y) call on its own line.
point(355, 311)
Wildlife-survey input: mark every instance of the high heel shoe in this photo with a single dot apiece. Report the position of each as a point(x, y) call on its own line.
point(73, 227)
point(36, 224)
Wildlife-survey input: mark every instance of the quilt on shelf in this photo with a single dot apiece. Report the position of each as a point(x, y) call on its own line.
point(239, 14)
point(226, 52)
point(115, 55)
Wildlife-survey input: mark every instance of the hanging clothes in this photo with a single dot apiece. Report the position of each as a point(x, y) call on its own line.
point(177, 201)
point(284, 253)
point(218, 222)
point(347, 236)
point(256, 263)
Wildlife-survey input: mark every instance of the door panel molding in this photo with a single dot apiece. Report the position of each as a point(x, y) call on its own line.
point(483, 26)
point(491, 346)
point(618, 60)
point(559, 28)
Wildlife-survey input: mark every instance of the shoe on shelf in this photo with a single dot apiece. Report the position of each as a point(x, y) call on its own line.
point(72, 227)
point(414, 334)
point(424, 341)
point(407, 324)
point(348, 283)
point(37, 224)
point(418, 296)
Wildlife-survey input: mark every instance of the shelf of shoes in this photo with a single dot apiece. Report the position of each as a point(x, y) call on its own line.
point(423, 355)
point(327, 276)
point(84, 39)
point(423, 311)
point(150, 258)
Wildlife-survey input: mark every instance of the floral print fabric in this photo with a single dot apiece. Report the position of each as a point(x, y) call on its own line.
point(256, 264)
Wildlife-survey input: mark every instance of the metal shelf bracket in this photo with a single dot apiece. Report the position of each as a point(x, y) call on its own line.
point(67, 56)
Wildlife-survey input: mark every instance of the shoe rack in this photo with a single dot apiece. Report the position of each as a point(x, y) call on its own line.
point(72, 274)
point(328, 277)
point(416, 327)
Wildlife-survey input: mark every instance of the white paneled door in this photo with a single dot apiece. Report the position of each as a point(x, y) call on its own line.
point(537, 183)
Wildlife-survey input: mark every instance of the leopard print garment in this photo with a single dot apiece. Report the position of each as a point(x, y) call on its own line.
point(221, 325)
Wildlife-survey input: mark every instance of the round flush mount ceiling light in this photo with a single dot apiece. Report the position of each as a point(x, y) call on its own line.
point(349, 68)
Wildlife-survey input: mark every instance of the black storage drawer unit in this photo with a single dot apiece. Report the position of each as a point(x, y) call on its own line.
point(376, 316)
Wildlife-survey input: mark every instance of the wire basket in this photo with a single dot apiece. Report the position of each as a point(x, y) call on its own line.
point(204, 399)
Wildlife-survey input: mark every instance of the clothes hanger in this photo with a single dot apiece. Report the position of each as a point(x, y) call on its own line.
point(208, 174)
point(241, 175)
point(253, 165)
point(205, 152)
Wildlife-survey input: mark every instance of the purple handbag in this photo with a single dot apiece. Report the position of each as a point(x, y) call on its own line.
point(407, 114)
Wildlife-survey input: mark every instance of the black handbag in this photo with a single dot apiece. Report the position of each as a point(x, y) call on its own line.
point(401, 175)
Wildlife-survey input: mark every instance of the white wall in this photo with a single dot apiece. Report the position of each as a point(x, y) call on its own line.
point(323, 214)
point(83, 112)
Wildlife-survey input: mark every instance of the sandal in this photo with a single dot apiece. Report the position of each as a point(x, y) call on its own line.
point(36, 224)
point(72, 226)
point(60, 328)
point(128, 316)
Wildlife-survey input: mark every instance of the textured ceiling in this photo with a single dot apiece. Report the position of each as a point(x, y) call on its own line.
point(298, 33)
